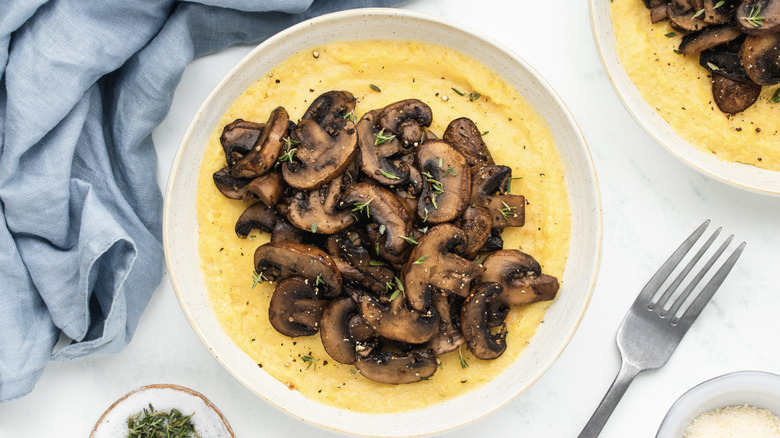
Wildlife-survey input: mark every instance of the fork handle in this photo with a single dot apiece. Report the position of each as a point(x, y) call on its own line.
point(615, 392)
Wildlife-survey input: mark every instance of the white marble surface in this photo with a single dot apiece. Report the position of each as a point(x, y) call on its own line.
point(650, 202)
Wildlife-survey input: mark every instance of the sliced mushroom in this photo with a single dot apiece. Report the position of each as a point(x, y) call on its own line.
point(474, 316)
point(733, 97)
point(380, 156)
point(446, 194)
point(393, 368)
point(521, 277)
point(466, 138)
point(708, 38)
point(477, 223)
point(319, 157)
point(406, 119)
point(344, 332)
point(761, 58)
point(435, 264)
point(386, 210)
point(330, 109)
point(285, 232)
point(266, 149)
point(232, 188)
point(506, 210)
point(650, 4)
point(258, 216)
point(268, 188)
point(281, 260)
point(684, 15)
point(659, 13)
point(725, 60)
point(448, 337)
point(719, 12)
point(489, 181)
point(295, 308)
point(396, 321)
point(318, 210)
point(238, 138)
point(759, 17)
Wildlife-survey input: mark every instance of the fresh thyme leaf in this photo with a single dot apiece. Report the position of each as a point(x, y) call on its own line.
point(509, 183)
point(450, 171)
point(712, 66)
point(382, 138)
point(671, 34)
point(258, 278)
point(441, 163)
point(421, 260)
point(318, 281)
point(289, 150)
point(399, 284)
point(753, 18)
point(375, 88)
point(153, 424)
point(314, 227)
point(377, 263)
point(698, 13)
point(463, 363)
point(775, 97)
point(310, 360)
point(351, 117)
point(382, 229)
point(460, 93)
point(485, 133)
point(409, 239)
point(395, 294)
point(361, 206)
point(474, 96)
point(387, 174)
point(506, 211)
point(423, 230)
point(719, 4)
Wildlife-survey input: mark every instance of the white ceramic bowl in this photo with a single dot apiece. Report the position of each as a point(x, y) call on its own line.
point(562, 318)
point(755, 388)
point(740, 175)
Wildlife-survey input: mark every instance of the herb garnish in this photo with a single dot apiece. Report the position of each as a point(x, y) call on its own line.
point(460, 93)
point(375, 88)
point(360, 206)
point(506, 211)
point(463, 363)
point(753, 18)
point(474, 96)
point(318, 281)
point(310, 360)
point(775, 97)
point(154, 424)
point(382, 138)
point(258, 278)
point(351, 117)
point(421, 260)
point(289, 150)
point(388, 175)
point(409, 239)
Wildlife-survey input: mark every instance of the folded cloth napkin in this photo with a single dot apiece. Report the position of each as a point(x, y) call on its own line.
point(82, 86)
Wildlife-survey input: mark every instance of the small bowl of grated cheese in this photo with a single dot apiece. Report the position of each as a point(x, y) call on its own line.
point(738, 404)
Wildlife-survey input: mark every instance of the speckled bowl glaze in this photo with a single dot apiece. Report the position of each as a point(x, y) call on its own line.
point(562, 318)
point(740, 175)
point(754, 388)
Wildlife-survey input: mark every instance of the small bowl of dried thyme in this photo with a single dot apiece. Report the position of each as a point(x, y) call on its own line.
point(162, 410)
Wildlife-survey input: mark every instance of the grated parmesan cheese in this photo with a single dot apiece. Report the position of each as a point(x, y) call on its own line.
point(735, 422)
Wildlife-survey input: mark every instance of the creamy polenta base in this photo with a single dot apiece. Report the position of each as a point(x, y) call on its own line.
point(680, 90)
point(513, 131)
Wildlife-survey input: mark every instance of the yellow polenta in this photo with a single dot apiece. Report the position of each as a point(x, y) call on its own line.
point(516, 136)
point(680, 90)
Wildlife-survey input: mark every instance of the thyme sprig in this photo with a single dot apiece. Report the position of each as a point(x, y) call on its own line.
point(506, 211)
point(775, 97)
point(753, 18)
point(153, 424)
point(463, 363)
point(360, 207)
point(310, 360)
point(382, 138)
point(257, 278)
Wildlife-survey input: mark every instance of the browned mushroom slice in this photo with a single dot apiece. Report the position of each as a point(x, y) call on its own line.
point(477, 223)
point(295, 308)
point(474, 315)
point(396, 321)
point(268, 188)
point(659, 13)
point(466, 138)
point(448, 337)
point(266, 149)
point(506, 210)
point(708, 38)
point(447, 190)
point(761, 58)
point(318, 210)
point(344, 332)
point(319, 157)
point(330, 109)
point(732, 96)
point(257, 216)
point(286, 232)
point(719, 12)
point(489, 181)
point(379, 153)
point(685, 16)
point(650, 4)
point(725, 60)
point(281, 260)
point(435, 263)
point(393, 368)
point(759, 17)
point(232, 188)
point(521, 277)
point(406, 119)
point(238, 138)
point(384, 209)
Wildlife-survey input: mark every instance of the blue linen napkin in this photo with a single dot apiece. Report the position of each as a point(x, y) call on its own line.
point(82, 86)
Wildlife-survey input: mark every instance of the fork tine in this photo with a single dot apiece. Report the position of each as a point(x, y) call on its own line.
point(698, 304)
point(666, 269)
point(684, 295)
point(684, 273)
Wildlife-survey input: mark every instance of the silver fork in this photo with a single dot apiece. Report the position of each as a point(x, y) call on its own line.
point(654, 325)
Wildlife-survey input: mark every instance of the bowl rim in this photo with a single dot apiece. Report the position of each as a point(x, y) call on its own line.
point(693, 402)
point(596, 214)
point(742, 176)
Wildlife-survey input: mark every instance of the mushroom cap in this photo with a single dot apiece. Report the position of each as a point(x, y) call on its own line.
point(337, 338)
point(435, 264)
point(232, 188)
point(684, 16)
point(476, 223)
point(488, 181)
point(320, 157)
point(257, 216)
point(733, 96)
point(385, 209)
point(474, 316)
point(707, 39)
point(318, 210)
point(466, 138)
point(761, 58)
point(329, 110)
point(279, 260)
point(238, 138)
point(405, 119)
point(725, 60)
point(295, 308)
point(520, 276)
point(266, 149)
point(393, 368)
point(446, 194)
point(448, 337)
point(380, 161)
point(397, 321)
point(506, 210)
point(758, 17)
